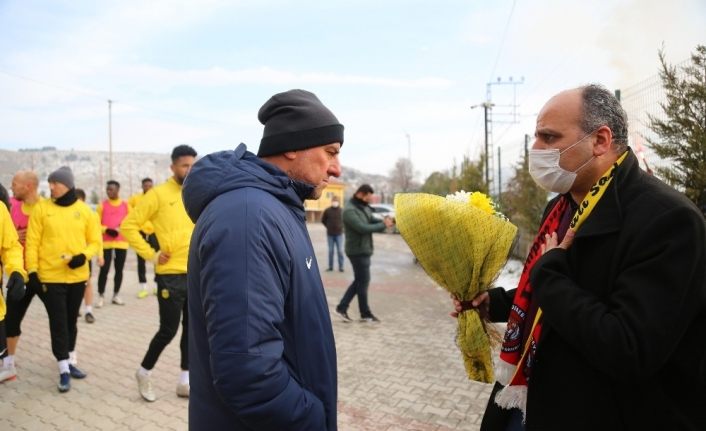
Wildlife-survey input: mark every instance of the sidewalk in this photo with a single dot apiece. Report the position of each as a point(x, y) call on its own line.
point(403, 374)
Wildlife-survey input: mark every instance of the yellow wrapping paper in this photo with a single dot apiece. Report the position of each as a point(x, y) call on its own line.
point(462, 246)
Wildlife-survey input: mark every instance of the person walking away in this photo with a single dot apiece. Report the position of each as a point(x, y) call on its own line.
point(112, 212)
point(261, 348)
point(332, 218)
point(146, 232)
point(164, 208)
point(62, 236)
point(24, 200)
point(359, 226)
point(88, 293)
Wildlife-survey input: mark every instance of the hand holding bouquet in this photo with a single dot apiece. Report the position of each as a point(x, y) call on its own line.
point(462, 242)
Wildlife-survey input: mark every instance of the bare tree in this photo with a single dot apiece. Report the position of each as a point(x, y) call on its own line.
point(402, 176)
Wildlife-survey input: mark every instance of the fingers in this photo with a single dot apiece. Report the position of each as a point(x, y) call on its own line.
point(481, 298)
point(568, 239)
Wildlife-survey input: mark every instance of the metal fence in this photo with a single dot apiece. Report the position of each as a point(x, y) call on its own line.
point(639, 101)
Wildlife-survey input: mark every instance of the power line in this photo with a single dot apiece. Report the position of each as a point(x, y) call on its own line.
point(502, 41)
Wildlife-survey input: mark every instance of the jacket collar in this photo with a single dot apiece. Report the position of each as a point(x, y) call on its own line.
point(607, 217)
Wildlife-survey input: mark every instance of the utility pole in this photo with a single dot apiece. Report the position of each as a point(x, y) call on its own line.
point(500, 176)
point(527, 139)
point(513, 118)
point(487, 106)
point(409, 147)
point(110, 139)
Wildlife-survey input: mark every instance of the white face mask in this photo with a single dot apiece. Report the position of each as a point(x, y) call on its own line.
point(546, 172)
point(335, 204)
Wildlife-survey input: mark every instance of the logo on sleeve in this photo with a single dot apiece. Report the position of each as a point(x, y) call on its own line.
point(308, 262)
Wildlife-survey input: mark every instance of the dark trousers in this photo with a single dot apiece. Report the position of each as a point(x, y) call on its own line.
point(335, 241)
point(120, 255)
point(3, 340)
point(141, 268)
point(361, 280)
point(172, 304)
point(62, 301)
point(16, 311)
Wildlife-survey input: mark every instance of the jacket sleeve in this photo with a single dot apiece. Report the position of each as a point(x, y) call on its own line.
point(11, 252)
point(34, 236)
point(357, 221)
point(244, 279)
point(94, 240)
point(135, 219)
point(99, 212)
point(500, 303)
point(324, 217)
point(654, 298)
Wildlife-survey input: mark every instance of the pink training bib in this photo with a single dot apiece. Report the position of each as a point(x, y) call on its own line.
point(112, 217)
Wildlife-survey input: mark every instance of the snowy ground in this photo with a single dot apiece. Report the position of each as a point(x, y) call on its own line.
point(510, 275)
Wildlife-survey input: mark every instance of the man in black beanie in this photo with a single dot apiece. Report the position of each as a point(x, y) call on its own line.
point(262, 352)
point(62, 237)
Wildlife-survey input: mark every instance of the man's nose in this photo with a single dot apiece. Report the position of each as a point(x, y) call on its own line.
point(334, 169)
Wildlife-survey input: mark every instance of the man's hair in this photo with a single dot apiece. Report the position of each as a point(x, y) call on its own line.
point(181, 151)
point(602, 108)
point(112, 183)
point(81, 194)
point(365, 189)
point(147, 180)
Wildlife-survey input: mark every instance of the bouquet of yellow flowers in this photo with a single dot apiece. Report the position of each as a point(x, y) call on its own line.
point(462, 242)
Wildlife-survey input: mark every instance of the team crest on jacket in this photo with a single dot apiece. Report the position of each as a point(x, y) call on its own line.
point(165, 294)
point(77, 215)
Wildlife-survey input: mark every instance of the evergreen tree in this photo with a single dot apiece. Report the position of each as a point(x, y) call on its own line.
point(438, 183)
point(682, 136)
point(524, 200)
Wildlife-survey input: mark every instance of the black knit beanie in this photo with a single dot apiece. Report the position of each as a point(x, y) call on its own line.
point(296, 120)
point(62, 175)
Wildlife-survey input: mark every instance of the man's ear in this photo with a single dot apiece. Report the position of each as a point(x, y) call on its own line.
point(604, 141)
point(290, 155)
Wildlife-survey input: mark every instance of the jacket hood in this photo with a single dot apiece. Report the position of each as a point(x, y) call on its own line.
point(223, 171)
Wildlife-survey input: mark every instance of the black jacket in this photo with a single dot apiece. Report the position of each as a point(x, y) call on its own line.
point(623, 346)
point(333, 220)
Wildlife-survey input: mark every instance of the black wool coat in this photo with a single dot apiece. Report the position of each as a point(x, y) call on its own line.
point(623, 344)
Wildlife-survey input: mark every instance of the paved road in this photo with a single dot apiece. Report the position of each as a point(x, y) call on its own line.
point(402, 374)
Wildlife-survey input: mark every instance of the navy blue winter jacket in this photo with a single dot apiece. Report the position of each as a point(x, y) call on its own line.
point(261, 348)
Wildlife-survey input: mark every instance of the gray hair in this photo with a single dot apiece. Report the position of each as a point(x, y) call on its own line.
point(602, 108)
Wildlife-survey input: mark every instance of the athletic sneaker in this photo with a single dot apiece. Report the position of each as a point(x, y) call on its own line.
point(370, 319)
point(99, 304)
point(75, 373)
point(343, 314)
point(182, 390)
point(144, 385)
point(8, 373)
point(117, 301)
point(90, 318)
point(64, 382)
point(142, 294)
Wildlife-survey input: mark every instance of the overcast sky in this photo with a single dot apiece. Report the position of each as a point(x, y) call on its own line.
point(401, 75)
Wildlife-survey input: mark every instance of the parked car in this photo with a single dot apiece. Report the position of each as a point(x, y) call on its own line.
point(380, 211)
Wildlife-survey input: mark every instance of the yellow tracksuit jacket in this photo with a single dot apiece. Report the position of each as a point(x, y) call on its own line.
point(162, 206)
point(56, 233)
point(135, 199)
point(10, 251)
